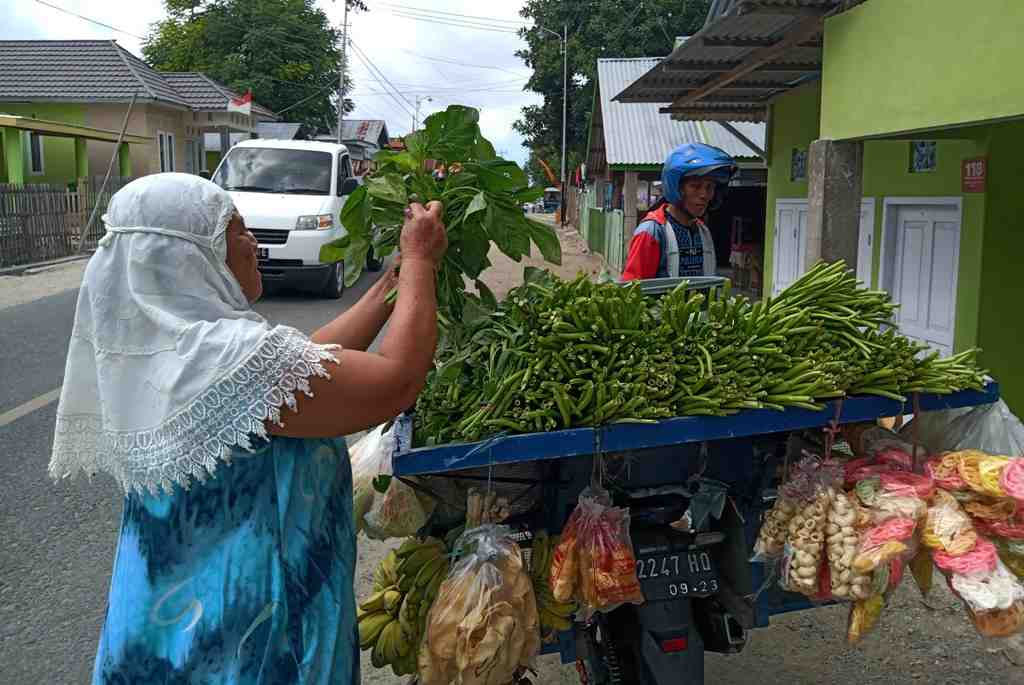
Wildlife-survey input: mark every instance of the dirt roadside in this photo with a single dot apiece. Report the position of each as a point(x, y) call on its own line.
point(916, 640)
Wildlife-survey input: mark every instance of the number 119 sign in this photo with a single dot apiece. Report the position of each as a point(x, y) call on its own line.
point(972, 175)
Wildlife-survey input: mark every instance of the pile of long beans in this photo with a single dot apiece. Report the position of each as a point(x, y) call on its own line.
point(559, 354)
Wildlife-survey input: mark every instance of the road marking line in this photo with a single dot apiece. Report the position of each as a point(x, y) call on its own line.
point(32, 405)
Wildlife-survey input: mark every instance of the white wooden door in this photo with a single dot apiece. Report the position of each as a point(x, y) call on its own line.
point(923, 280)
point(790, 248)
point(866, 241)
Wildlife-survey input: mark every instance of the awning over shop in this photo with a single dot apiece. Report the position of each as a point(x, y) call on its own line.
point(64, 130)
point(748, 52)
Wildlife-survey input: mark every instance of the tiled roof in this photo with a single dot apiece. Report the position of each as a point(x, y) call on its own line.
point(78, 70)
point(100, 70)
point(202, 92)
point(637, 133)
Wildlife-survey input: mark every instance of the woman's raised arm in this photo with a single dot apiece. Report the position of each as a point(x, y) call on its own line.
point(366, 388)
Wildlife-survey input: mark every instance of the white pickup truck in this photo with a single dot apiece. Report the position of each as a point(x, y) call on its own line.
point(290, 194)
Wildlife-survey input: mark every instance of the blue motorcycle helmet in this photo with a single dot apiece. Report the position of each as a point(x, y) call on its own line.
point(697, 159)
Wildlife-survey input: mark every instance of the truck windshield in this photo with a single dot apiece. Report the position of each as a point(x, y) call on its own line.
point(275, 170)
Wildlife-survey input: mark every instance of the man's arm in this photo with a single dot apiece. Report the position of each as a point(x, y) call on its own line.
point(644, 256)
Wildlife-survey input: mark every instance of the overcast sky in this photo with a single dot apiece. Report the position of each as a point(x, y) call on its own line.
point(416, 56)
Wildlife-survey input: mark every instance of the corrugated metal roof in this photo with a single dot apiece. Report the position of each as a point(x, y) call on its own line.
point(370, 131)
point(639, 134)
point(734, 31)
point(277, 130)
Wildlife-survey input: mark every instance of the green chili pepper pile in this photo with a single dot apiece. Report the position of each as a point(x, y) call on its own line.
point(559, 354)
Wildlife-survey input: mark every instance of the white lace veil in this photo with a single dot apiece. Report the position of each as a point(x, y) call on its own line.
point(168, 367)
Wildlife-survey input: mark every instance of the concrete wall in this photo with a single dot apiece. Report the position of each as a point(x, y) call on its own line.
point(58, 153)
point(1001, 326)
point(907, 65)
point(988, 288)
point(111, 118)
point(794, 124)
point(886, 174)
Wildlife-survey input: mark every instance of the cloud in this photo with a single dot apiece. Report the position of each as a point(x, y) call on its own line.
point(418, 58)
point(449, 64)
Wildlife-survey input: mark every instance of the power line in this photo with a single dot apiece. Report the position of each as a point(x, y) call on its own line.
point(424, 10)
point(381, 78)
point(305, 100)
point(454, 86)
point(91, 21)
point(461, 64)
point(441, 22)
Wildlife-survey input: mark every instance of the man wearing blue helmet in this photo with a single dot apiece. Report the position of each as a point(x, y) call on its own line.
point(673, 239)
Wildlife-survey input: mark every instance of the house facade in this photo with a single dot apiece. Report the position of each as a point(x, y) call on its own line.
point(626, 147)
point(364, 138)
point(90, 83)
point(892, 143)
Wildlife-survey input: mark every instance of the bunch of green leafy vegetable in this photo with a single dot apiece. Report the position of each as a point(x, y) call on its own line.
point(482, 196)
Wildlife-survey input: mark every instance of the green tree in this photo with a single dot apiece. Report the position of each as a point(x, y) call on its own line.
point(286, 51)
point(597, 29)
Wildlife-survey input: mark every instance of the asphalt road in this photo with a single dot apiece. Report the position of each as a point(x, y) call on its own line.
point(57, 540)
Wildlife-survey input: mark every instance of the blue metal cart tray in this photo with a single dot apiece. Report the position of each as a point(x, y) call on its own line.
point(505, 449)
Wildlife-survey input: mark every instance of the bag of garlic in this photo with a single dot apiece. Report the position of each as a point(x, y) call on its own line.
point(842, 539)
point(483, 627)
point(805, 545)
point(814, 484)
point(794, 494)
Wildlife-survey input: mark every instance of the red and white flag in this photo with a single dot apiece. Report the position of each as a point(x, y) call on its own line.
point(242, 105)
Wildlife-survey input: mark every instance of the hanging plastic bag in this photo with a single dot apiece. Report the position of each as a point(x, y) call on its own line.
point(383, 506)
point(483, 626)
point(864, 614)
point(991, 428)
point(594, 561)
point(841, 538)
point(805, 546)
point(369, 456)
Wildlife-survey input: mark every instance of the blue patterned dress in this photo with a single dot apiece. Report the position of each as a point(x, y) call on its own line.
point(243, 580)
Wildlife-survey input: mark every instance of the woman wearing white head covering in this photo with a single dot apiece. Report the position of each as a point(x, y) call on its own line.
point(236, 551)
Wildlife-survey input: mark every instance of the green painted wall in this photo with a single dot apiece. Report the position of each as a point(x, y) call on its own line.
point(212, 160)
point(794, 124)
point(908, 65)
point(1001, 326)
point(58, 153)
point(886, 174)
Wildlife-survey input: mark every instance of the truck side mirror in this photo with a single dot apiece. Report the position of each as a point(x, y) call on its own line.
point(348, 186)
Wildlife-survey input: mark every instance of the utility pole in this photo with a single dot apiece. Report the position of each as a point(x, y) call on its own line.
point(341, 75)
point(564, 40)
point(416, 116)
point(565, 97)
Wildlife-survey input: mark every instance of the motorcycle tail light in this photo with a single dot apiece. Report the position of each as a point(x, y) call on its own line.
point(677, 644)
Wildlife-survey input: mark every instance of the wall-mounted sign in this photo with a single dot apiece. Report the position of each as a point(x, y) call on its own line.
point(972, 175)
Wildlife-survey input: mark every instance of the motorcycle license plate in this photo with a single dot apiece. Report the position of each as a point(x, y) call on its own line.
point(677, 575)
point(263, 253)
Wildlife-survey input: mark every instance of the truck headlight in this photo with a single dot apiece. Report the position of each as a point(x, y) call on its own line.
point(314, 222)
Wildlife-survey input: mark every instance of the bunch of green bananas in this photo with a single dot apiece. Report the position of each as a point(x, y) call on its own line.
point(393, 619)
point(554, 615)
